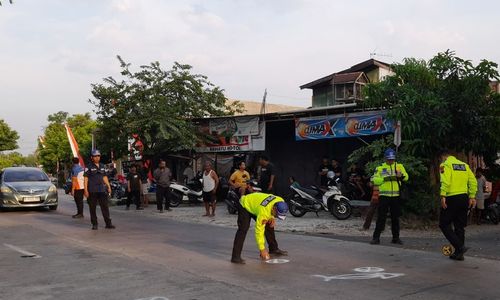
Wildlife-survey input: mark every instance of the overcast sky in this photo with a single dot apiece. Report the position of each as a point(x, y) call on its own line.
point(52, 50)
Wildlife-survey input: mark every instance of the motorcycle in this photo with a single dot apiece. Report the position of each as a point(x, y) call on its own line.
point(191, 193)
point(118, 189)
point(303, 200)
point(233, 196)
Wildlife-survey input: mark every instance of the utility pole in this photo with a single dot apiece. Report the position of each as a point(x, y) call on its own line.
point(263, 107)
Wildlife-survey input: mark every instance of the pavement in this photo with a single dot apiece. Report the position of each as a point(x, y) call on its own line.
point(49, 255)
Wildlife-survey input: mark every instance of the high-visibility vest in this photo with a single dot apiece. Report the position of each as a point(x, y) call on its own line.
point(385, 179)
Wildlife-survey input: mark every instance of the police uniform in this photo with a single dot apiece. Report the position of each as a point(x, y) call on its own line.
point(98, 192)
point(458, 185)
point(257, 206)
point(389, 198)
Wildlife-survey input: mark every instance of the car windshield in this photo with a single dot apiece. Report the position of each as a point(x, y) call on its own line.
point(24, 175)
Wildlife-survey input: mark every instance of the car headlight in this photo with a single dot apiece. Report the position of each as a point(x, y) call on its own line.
point(52, 189)
point(5, 190)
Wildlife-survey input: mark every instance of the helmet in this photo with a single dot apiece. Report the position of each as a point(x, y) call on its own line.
point(330, 175)
point(390, 154)
point(95, 152)
point(281, 209)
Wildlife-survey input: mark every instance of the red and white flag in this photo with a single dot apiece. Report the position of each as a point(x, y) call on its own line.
point(74, 145)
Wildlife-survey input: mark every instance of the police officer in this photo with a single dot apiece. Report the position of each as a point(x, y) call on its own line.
point(263, 208)
point(388, 178)
point(97, 189)
point(458, 191)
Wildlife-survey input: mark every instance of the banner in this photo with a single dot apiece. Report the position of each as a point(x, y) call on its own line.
point(227, 135)
point(241, 126)
point(340, 126)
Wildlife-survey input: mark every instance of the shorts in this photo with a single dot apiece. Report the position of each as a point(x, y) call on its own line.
point(208, 197)
point(480, 203)
point(145, 187)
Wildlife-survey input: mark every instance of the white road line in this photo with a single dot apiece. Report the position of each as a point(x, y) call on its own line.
point(22, 251)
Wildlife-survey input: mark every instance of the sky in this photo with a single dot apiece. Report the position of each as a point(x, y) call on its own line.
point(51, 51)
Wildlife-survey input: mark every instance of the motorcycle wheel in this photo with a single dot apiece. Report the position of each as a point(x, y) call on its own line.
point(296, 211)
point(493, 216)
point(341, 209)
point(175, 199)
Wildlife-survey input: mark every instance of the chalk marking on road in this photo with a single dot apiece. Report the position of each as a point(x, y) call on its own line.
point(277, 261)
point(22, 251)
point(154, 298)
point(363, 273)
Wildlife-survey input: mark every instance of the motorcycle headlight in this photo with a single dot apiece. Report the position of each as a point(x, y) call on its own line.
point(5, 190)
point(52, 189)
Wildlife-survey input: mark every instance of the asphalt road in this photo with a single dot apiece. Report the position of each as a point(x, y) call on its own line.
point(153, 257)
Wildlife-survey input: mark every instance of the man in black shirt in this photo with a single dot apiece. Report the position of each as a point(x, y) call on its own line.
point(323, 170)
point(337, 169)
point(97, 189)
point(134, 188)
point(267, 175)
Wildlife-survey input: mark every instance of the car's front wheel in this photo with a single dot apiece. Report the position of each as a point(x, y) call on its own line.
point(53, 207)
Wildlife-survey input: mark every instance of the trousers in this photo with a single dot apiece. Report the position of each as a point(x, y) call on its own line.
point(162, 193)
point(244, 218)
point(78, 195)
point(386, 204)
point(135, 197)
point(455, 214)
point(102, 199)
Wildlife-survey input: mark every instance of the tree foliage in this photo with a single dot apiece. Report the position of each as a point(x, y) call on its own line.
point(157, 105)
point(8, 137)
point(17, 159)
point(445, 102)
point(55, 147)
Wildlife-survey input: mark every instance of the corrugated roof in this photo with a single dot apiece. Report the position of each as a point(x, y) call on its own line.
point(346, 77)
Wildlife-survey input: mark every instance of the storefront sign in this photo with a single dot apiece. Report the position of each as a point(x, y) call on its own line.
point(342, 126)
point(232, 135)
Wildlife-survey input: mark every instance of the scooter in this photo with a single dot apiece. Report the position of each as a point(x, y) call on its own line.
point(303, 200)
point(233, 196)
point(191, 193)
point(118, 189)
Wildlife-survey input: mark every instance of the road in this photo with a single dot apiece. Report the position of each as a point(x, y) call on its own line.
point(152, 257)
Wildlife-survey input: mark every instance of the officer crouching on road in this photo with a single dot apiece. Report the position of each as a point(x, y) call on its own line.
point(388, 178)
point(458, 191)
point(97, 189)
point(263, 208)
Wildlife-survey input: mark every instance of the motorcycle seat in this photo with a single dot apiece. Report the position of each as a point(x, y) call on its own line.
point(311, 192)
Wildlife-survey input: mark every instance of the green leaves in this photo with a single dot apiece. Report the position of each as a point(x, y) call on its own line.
point(8, 137)
point(157, 105)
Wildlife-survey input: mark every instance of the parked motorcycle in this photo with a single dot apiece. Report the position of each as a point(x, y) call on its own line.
point(492, 211)
point(191, 193)
point(118, 189)
point(233, 196)
point(303, 200)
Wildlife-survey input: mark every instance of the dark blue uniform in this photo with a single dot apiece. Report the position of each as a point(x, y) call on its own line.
point(98, 192)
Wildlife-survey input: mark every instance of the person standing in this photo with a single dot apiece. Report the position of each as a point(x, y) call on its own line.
point(134, 188)
point(337, 169)
point(458, 192)
point(239, 179)
point(144, 183)
point(267, 175)
point(388, 178)
point(77, 187)
point(97, 189)
point(263, 208)
point(323, 170)
point(481, 186)
point(162, 176)
point(188, 173)
point(210, 184)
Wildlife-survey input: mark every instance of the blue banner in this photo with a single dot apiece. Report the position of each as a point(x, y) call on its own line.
point(331, 127)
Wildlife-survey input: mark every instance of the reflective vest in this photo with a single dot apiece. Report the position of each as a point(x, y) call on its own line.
point(385, 179)
point(261, 206)
point(457, 178)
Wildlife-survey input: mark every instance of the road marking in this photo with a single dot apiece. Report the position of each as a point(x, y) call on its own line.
point(277, 261)
point(153, 298)
point(22, 251)
point(362, 273)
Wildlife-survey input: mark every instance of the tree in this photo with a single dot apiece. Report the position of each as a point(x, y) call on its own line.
point(55, 148)
point(157, 105)
point(8, 137)
point(445, 102)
